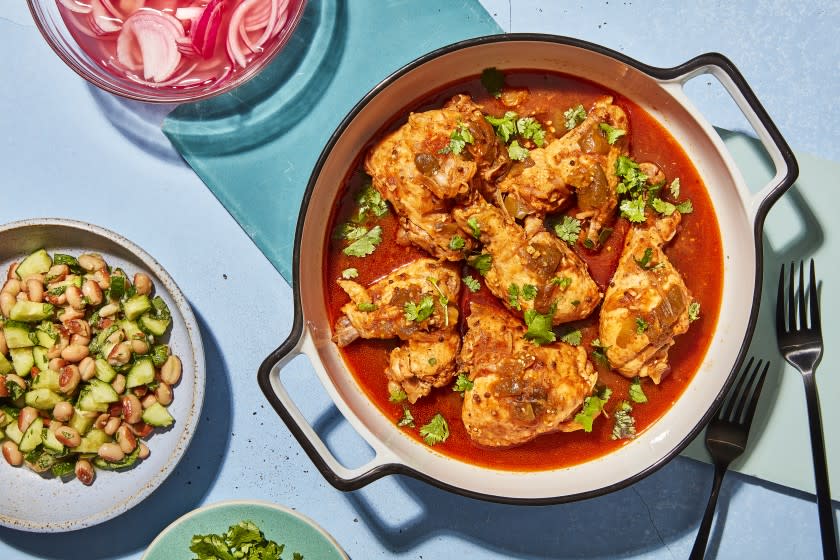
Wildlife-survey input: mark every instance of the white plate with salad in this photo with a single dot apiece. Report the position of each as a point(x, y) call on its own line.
point(103, 374)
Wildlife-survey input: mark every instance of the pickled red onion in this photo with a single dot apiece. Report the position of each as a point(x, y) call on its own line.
point(263, 16)
point(102, 22)
point(76, 6)
point(149, 40)
point(206, 28)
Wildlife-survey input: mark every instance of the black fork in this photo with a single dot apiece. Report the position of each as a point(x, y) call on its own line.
point(726, 438)
point(801, 344)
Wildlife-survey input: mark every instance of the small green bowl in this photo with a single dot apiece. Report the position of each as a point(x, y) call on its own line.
point(297, 532)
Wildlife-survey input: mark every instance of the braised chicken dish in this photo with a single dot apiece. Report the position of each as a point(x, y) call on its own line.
point(525, 271)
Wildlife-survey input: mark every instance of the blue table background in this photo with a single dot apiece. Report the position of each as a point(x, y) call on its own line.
point(70, 150)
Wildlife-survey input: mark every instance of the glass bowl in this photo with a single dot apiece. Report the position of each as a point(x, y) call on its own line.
point(54, 28)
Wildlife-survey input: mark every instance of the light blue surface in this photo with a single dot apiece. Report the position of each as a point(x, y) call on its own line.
point(68, 150)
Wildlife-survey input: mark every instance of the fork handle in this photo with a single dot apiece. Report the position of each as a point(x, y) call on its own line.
point(699, 550)
point(827, 531)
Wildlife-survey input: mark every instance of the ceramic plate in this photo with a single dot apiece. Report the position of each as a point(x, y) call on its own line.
point(33, 503)
point(279, 524)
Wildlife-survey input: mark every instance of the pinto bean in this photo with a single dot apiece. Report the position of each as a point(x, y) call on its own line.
point(84, 472)
point(68, 436)
point(132, 408)
point(12, 454)
point(171, 370)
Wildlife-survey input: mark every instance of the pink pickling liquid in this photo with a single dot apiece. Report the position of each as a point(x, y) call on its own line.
point(194, 71)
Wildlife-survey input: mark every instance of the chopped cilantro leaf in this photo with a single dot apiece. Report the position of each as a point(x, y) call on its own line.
point(456, 243)
point(529, 292)
point(504, 126)
point(397, 395)
point(539, 326)
point(436, 431)
point(349, 273)
point(625, 424)
point(471, 283)
point(475, 228)
point(663, 207)
point(633, 180)
point(568, 230)
point(633, 209)
point(366, 306)
point(572, 337)
point(530, 129)
point(637, 395)
point(241, 540)
point(462, 383)
point(685, 207)
point(350, 231)
point(563, 282)
point(693, 311)
point(459, 138)
point(612, 133)
point(481, 262)
point(513, 297)
point(365, 245)
point(593, 406)
point(675, 188)
point(407, 419)
point(421, 312)
point(493, 81)
point(575, 302)
point(599, 353)
point(517, 152)
point(442, 299)
point(641, 325)
point(644, 262)
point(369, 200)
point(574, 116)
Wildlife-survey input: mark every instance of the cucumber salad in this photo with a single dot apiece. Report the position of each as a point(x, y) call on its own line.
point(84, 376)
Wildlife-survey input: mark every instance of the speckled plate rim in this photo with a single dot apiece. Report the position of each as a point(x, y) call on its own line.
point(192, 515)
point(191, 333)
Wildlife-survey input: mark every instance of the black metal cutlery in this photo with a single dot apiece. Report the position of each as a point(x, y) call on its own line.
point(800, 342)
point(726, 438)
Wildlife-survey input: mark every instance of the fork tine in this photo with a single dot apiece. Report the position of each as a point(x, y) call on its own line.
point(813, 297)
point(743, 398)
point(733, 397)
point(748, 417)
point(780, 302)
point(791, 301)
point(803, 310)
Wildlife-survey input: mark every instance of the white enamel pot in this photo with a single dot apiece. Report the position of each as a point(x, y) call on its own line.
point(740, 213)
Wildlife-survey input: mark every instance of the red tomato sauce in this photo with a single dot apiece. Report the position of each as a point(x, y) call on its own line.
point(696, 251)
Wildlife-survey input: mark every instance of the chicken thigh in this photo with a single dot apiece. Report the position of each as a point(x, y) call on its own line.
point(520, 390)
point(646, 304)
point(530, 268)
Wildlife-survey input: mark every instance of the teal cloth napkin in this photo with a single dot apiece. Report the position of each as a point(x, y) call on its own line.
point(255, 147)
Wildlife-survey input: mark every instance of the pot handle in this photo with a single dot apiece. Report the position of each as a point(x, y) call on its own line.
point(786, 167)
point(383, 462)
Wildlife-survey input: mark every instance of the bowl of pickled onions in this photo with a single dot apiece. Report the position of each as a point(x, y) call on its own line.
point(167, 51)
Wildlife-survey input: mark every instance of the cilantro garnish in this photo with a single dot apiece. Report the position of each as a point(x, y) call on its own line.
point(593, 405)
point(568, 230)
point(508, 126)
point(563, 282)
point(481, 262)
point(644, 262)
point(633, 209)
point(633, 180)
point(612, 133)
point(530, 129)
point(242, 540)
point(471, 283)
point(574, 116)
point(366, 306)
point(675, 188)
point(641, 325)
point(693, 311)
point(407, 419)
point(513, 297)
point(539, 326)
point(625, 424)
point(456, 243)
point(459, 138)
point(369, 200)
point(637, 395)
point(505, 126)
point(349, 273)
point(663, 207)
point(685, 207)
point(462, 383)
point(493, 81)
point(419, 312)
point(475, 229)
point(599, 353)
point(529, 292)
point(436, 431)
point(365, 244)
point(572, 337)
point(397, 395)
point(442, 299)
point(517, 152)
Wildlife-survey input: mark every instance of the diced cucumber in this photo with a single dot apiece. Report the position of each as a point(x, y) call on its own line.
point(157, 415)
point(136, 306)
point(160, 354)
point(104, 371)
point(38, 262)
point(40, 460)
point(141, 373)
point(152, 326)
point(82, 420)
point(17, 335)
point(131, 329)
point(32, 437)
point(71, 262)
point(101, 337)
point(42, 399)
point(22, 360)
point(51, 442)
point(41, 360)
point(5, 365)
point(91, 441)
point(119, 285)
point(5, 419)
point(97, 395)
point(62, 469)
point(46, 379)
point(30, 311)
point(46, 334)
point(14, 433)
